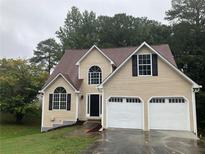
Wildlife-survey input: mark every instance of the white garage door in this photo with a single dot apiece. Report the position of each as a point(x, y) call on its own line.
point(169, 114)
point(125, 113)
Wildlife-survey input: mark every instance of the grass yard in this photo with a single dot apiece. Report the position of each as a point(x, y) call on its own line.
point(26, 138)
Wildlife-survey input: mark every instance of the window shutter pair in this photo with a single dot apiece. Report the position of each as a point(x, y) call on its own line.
point(154, 65)
point(51, 101)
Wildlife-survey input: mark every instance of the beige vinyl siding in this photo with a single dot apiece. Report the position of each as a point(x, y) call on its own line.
point(167, 83)
point(59, 115)
point(93, 58)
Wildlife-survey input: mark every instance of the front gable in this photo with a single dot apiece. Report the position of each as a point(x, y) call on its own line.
point(52, 116)
point(94, 58)
point(145, 48)
point(62, 78)
point(91, 49)
point(59, 82)
point(166, 81)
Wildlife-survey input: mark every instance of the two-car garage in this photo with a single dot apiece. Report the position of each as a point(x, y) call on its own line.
point(164, 113)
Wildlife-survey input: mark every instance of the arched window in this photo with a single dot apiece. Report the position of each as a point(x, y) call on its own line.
point(59, 98)
point(94, 75)
point(60, 90)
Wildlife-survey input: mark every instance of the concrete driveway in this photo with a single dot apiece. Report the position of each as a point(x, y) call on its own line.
point(122, 141)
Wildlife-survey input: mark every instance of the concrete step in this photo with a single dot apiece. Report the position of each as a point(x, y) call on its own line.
point(92, 126)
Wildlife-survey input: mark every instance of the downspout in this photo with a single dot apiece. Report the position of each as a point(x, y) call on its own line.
point(42, 110)
point(194, 90)
point(77, 104)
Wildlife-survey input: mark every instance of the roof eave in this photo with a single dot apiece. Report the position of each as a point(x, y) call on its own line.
point(59, 74)
point(197, 86)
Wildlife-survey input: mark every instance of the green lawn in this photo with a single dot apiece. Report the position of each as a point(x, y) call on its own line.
point(26, 138)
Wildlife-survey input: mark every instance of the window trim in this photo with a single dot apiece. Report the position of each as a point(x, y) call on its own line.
point(138, 65)
point(88, 76)
point(59, 100)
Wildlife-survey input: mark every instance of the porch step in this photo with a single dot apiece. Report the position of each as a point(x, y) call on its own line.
point(95, 128)
point(94, 121)
point(92, 126)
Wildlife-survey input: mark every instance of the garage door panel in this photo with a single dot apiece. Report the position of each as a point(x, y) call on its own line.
point(125, 115)
point(169, 116)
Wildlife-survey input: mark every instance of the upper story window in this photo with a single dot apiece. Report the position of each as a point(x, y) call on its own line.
point(145, 64)
point(94, 75)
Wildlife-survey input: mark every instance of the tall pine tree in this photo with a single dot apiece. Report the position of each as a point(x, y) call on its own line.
point(47, 54)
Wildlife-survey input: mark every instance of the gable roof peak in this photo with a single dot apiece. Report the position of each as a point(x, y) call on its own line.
point(65, 77)
point(195, 85)
point(94, 46)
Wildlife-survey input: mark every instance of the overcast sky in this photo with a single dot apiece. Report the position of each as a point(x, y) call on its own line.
point(24, 23)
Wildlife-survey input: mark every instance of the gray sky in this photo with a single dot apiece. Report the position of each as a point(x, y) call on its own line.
point(24, 23)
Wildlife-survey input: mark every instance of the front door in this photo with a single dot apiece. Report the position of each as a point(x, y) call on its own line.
point(94, 105)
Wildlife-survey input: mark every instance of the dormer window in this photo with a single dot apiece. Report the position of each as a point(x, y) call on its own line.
point(145, 64)
point(94, 75)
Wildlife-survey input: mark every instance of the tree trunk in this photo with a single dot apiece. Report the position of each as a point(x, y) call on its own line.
point(19, 117)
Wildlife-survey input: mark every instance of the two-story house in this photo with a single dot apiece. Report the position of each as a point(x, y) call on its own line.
point(130, 87)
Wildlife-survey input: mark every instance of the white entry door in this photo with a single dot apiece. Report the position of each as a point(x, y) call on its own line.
point(125, 113)
point(169, 114)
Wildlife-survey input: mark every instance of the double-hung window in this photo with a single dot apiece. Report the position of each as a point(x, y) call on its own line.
point(145, 64)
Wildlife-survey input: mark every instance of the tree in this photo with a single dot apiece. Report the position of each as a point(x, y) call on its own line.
point(79, 30)
point(124, 30)
point(191, 12)
point(189, 29)
point(68, 34)
point(82, 30)
point(47, 54)
point(188, 43)
point(20, 83)
point(116, 31)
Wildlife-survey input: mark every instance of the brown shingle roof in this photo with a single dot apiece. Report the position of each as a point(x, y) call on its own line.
point(69, 70)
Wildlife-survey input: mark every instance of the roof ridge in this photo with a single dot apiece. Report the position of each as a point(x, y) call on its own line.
point(114, 47)
point(117, 54)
